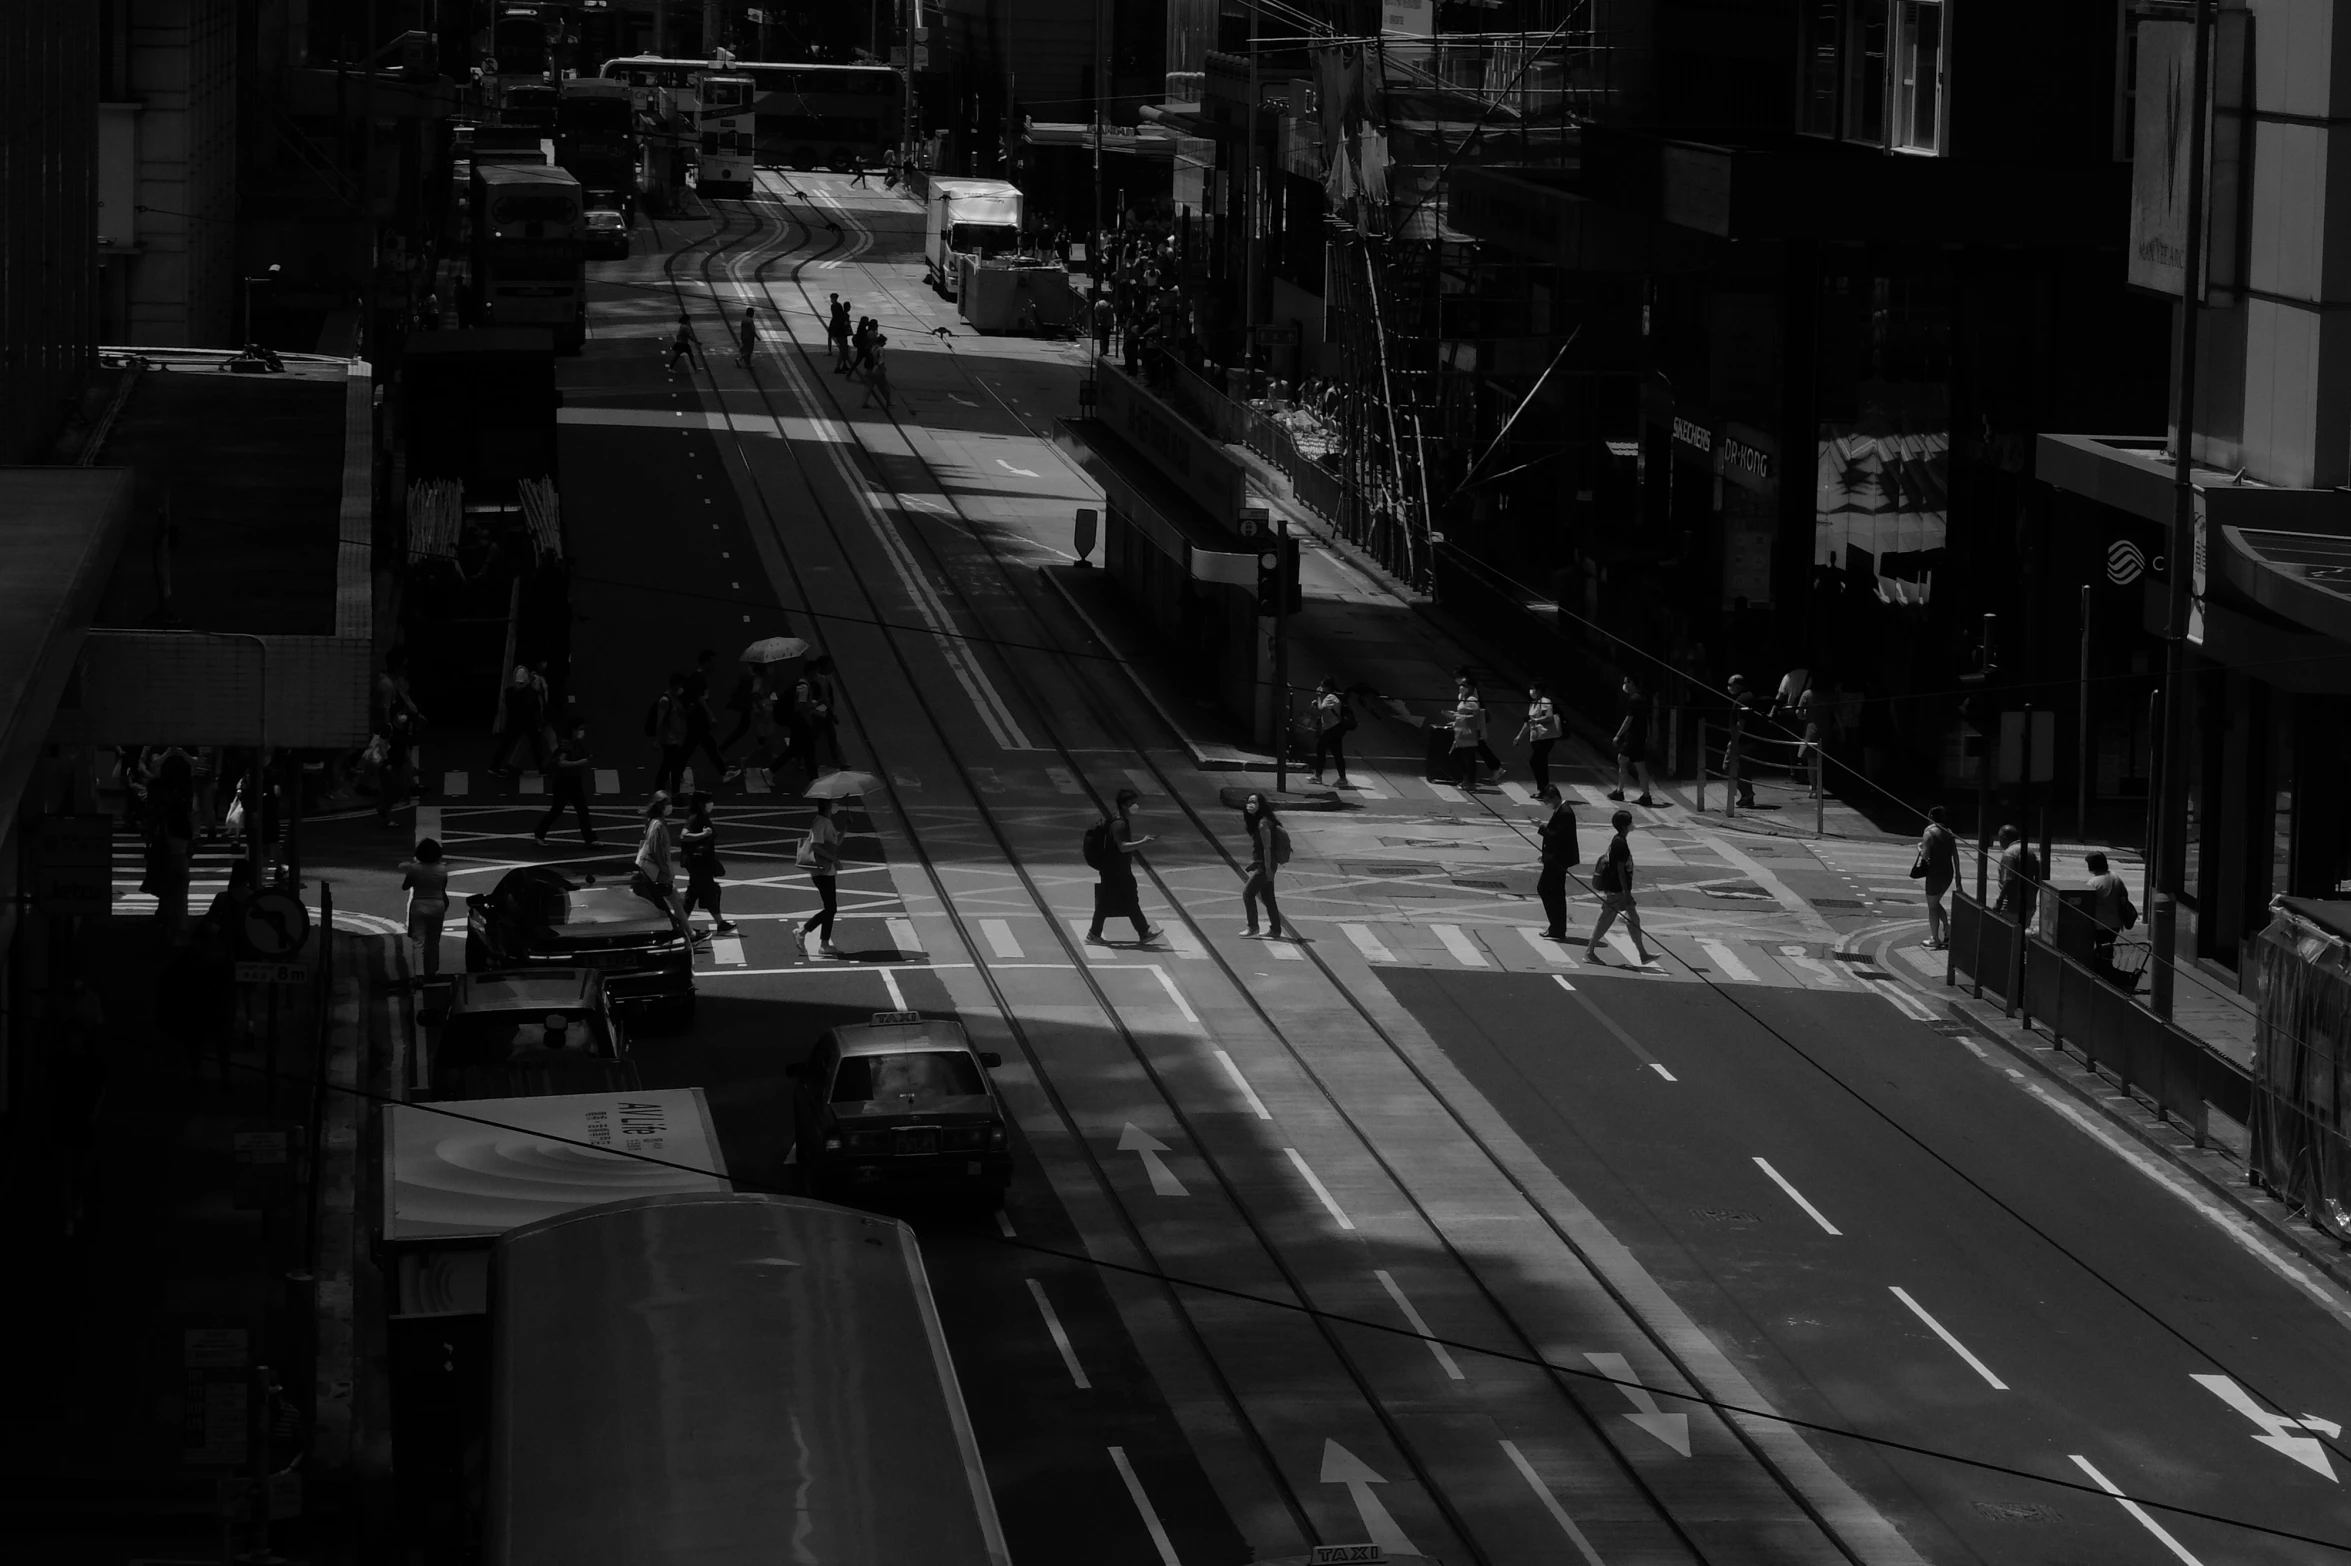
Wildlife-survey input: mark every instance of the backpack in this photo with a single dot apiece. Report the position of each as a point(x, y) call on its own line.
point(1608, 878)
point(1096, 846)
point(1281, 843)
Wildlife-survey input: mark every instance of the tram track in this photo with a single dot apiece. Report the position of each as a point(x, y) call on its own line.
point(732, 248)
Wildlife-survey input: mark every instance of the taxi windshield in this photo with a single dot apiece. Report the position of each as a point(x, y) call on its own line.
point(917, 1074)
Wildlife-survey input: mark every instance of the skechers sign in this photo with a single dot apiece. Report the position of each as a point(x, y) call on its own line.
point(1747, 462)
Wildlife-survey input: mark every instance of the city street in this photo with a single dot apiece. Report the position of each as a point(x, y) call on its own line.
point(1418, 1229)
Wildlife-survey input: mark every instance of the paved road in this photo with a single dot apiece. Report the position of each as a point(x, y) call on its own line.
point(1401, 1166)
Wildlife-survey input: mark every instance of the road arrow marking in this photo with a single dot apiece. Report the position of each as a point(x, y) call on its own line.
point(1340, 1466)
point(1134, 1139)
point(1009, 468)
point(1672, 1429)
point(2304, 1449)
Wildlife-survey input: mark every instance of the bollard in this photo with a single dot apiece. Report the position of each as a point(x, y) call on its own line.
point(1701, 766)
point(1820, 798)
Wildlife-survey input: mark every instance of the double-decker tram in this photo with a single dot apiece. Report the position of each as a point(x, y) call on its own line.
point(726, 151)
point(529, 250)
point(807, 116)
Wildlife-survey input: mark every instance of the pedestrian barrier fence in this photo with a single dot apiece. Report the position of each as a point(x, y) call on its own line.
point(436, 516)
point(2301, 970)
point(1745, 751)
point(542, 514)
point(2086, 1008)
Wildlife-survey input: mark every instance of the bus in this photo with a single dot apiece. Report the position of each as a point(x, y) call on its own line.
point(529, 250)
point(596, 139)
point(726, 152)
point(525, 41)
point(810, 116)
point(719, 1376)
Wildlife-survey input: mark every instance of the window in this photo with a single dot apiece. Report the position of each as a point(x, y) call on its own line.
point(1824, 24)
point(1918, 76)
point(925, 1074)
point(1865, 73)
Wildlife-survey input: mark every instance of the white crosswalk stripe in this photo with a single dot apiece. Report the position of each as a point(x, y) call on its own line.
point(1001, 942)
point(607, 780)
point(1726, 961)
point(1464, 950)
point(1370, 945)
point(902, 937)
point(455, 784)
point(1548, 950)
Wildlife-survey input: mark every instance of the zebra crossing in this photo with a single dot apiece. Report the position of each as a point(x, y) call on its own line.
point(208, 876)
point(1771, 963)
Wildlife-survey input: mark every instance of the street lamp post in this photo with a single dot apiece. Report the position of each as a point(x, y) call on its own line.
point(2170, 803)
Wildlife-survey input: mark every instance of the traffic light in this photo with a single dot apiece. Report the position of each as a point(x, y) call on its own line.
point(1979, 703)
point(1269, 577)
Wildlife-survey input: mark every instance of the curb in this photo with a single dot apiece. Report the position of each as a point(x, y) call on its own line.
point(2214, 1171)
point(1227, 761)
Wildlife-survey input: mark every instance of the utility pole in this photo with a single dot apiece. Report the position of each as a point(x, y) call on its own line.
point(1249, 200)
point(1281, 646)
point(2170, 803)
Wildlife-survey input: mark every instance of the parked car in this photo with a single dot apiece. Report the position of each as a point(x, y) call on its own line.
point(527, 1034)
point(537, 917)
point(608, 235)
point(900, 1102)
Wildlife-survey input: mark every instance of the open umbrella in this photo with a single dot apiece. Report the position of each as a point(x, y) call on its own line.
point(775, 649)
point(843, 785)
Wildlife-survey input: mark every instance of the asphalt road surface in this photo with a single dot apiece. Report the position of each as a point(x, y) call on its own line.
point(1417, 1230)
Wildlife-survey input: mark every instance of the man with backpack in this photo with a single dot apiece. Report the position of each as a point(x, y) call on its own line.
point(1613, 880)
point(665, 725)
point(1109, 846)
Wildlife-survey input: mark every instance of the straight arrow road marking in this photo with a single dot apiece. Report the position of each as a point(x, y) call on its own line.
point(1463, 949)
point(1567, 1524)
point(1797, 1197)
point(1370, 945)
point(2137, 1511)
point(1134, 1139)
point(1672, 1429)
point(2304, 1449)
point(1956, 1347)
point(1322, 1191)
point(1000, 939)
point(1443, 1355)
point(1340, 1466)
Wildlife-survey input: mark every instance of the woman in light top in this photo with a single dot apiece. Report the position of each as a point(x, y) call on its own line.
point(820, 856)
point(426, 881)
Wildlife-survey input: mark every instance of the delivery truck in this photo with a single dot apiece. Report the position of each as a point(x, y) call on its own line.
point(967, 217)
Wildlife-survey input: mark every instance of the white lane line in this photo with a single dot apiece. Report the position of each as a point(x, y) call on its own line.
point(1797, 1197)
point(897, 995)
point(607, 780)
point(454, 784)
point(1444, 1356)
point(1151, 1522)
point(1464, 950)
point(902, 936)
point(1064, 780)
point(1000, 939)
point(1560, 979)
point(1956, 1347)
point(1255, 1103)
point(1726, 961)
point(2138, 1512)
point(1548, 950)
point(1004, 1225)
point(1575, 1535)
point(1370, 945)
point(1167, 982)
point(1320, 1189)
point(1069, 1355)
point(1911, 1006)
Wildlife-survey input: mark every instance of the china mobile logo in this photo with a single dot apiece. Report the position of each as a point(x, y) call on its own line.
point(2126, 562)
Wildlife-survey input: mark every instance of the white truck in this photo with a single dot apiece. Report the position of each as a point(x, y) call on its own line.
point(967, 217)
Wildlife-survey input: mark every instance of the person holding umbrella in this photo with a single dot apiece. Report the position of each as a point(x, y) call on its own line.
point(820, 854)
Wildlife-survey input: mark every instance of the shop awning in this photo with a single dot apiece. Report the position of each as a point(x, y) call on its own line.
point(2302, 577)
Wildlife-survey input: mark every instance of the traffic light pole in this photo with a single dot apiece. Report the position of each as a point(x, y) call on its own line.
point(1986, 757)
point(1281, 656)
point(2170, 803)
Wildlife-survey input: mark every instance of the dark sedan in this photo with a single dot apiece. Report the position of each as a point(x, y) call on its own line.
point(900, 1102)
point(608, 235)
point(525, 1035)
point(537, 917)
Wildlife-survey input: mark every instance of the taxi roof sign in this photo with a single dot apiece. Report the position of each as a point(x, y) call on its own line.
point(886, 1018)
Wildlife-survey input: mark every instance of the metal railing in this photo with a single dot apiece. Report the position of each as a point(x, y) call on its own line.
point(1316, 487)
point(2184, 1078)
